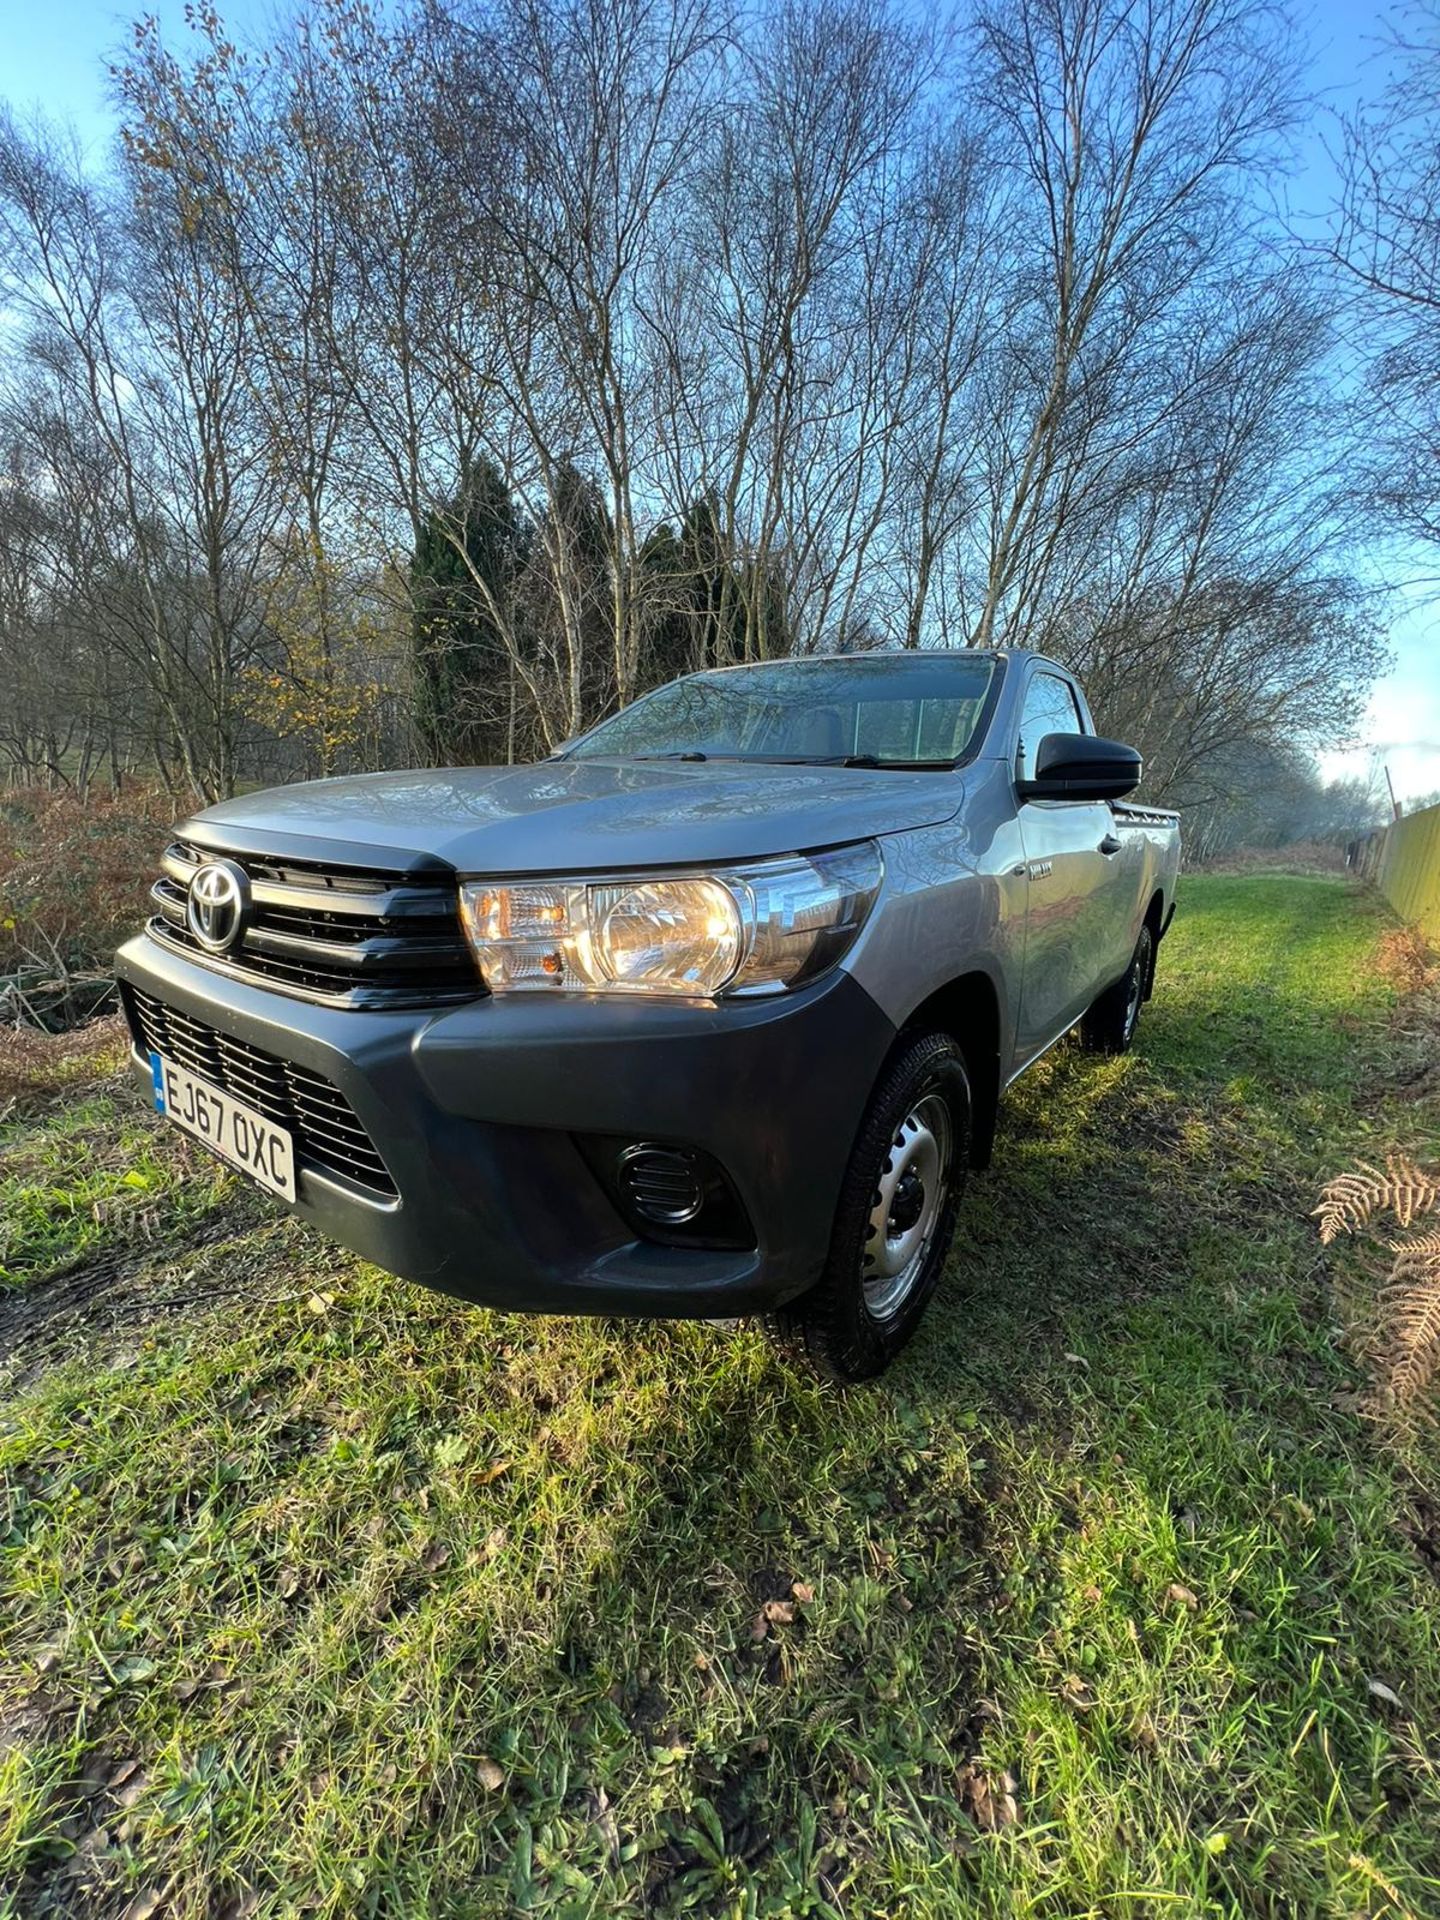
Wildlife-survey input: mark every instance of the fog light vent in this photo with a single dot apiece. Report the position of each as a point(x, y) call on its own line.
point(662, 1184)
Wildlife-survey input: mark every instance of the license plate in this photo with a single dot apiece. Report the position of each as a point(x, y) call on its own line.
point(236, 1132)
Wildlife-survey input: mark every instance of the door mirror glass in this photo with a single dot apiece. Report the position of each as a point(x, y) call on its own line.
point(1081, 766)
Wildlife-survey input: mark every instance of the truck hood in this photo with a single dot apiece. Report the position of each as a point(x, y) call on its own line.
point(578, 815)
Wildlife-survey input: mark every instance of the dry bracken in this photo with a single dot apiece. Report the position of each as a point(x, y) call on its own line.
point(1410, 1324)
point(1419, 1248)
point(1407, 1336)
point(1352, 1200)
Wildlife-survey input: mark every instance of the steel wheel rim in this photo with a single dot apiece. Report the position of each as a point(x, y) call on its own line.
point(908, 1199)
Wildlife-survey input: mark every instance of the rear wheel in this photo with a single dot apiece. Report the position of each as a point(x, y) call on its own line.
point(896, 1215)
point(1110, 1025)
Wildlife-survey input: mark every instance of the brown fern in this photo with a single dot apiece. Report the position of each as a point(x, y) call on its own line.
point(1414, 1192)
point(1348, 1201)
point(1352, 1200)
point(1405, 1342)
point(1419, 1248)
point(1410, 1326)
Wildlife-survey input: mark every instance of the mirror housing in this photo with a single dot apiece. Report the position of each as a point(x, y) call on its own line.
point(1081, 766)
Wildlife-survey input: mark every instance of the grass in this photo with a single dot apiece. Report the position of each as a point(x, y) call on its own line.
point(321, 1594)
point(97, 1175)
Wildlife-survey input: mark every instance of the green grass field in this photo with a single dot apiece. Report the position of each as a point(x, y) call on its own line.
point(319, 1594)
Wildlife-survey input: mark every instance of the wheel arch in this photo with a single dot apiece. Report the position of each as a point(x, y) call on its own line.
point(1155, 920)
point(968, 1009)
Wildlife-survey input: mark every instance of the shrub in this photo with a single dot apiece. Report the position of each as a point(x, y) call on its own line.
point(34, 1063)
point(1303, 856)
point(74, 874)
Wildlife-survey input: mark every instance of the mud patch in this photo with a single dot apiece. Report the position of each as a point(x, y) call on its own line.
point(125, 1291)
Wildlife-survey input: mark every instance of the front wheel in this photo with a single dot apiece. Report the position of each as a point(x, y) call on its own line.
point(1110, 1024)
point(896, 1216)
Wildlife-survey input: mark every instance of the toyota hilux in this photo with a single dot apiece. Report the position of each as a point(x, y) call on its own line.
point(707, 1014)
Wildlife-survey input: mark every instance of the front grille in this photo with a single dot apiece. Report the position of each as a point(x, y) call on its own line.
point(329, 1137)
point(352, 937)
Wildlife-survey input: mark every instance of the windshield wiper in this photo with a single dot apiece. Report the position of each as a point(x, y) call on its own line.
point(870, 761)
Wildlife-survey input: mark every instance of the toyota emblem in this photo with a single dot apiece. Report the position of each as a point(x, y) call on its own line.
point(218, 904)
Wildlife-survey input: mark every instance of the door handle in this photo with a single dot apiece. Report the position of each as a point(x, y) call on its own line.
point(1112, 843)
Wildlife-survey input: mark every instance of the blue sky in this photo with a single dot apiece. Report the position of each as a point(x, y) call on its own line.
point(52, 55)
point(1402, 727)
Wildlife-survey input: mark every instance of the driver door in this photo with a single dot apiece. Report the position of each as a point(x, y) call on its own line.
point(1066, 872)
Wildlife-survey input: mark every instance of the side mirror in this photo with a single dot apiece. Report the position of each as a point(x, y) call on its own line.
point(1080, 766)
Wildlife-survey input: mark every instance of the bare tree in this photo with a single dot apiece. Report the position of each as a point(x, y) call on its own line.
point(486, 361)
point(1131, 127)
point(1387, 240)
point(136, 358)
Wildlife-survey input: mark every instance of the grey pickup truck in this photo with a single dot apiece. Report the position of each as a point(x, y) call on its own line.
point(706, 1015)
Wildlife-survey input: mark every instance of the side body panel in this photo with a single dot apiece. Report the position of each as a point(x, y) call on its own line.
point(953, 904)
point(1045, 900)
point(1151, 851)
point(1074, 920)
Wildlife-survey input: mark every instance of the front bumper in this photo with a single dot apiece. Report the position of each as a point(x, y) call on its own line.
point(479, 1111)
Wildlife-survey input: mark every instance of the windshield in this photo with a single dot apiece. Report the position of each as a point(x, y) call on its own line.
point(882, 710)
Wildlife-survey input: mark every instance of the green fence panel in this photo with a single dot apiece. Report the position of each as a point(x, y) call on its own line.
point(1409, 869)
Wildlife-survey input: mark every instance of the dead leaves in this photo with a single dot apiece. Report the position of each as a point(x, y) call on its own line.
point(112, 1787)
point(1076, 1693)
point(781, 1613)
point(989, 1799)
point(603, 1821)
point(774, 1613)
point(216, 1678)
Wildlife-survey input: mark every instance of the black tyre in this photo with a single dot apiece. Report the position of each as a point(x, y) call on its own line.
point(1110, 1025)
point(896, 1215)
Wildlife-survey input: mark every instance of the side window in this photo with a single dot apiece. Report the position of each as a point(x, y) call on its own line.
point(1049, 708)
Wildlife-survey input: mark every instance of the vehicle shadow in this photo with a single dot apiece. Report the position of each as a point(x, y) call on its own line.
point(1127, 1402)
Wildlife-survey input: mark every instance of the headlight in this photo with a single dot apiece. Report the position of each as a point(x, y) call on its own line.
point(747, 929)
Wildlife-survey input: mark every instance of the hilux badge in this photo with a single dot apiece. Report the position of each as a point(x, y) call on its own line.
point(217, 904)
